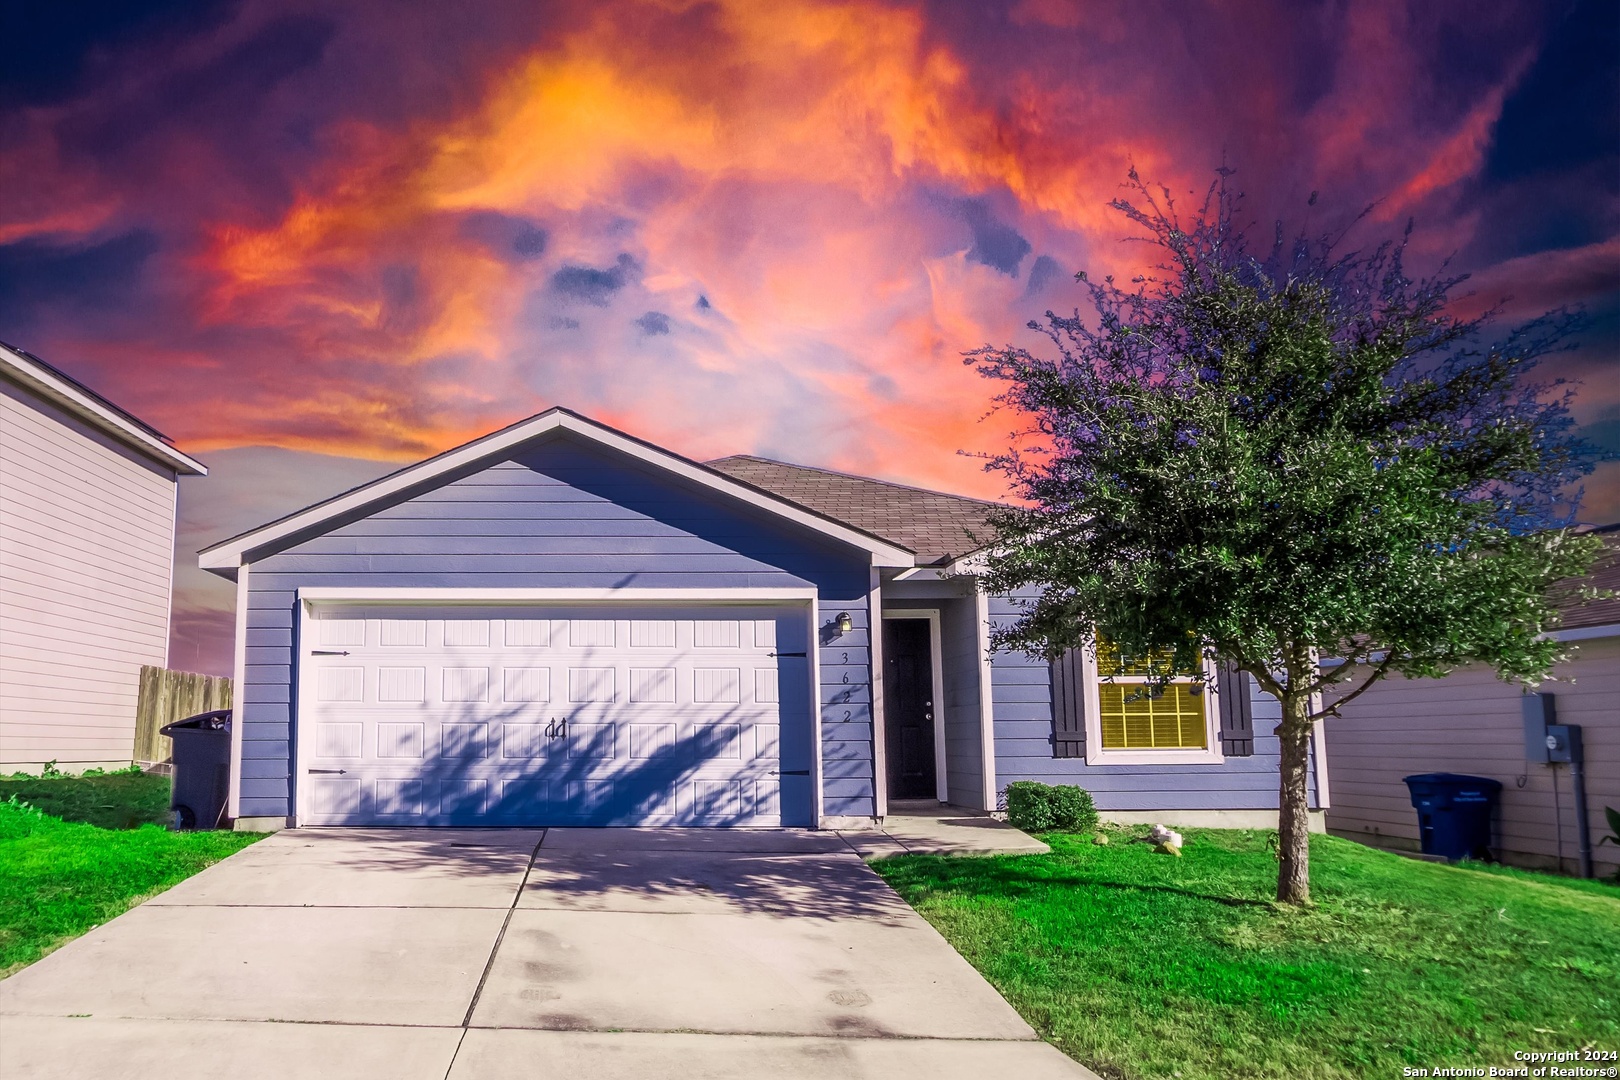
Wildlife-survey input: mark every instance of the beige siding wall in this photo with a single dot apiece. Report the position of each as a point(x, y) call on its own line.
point(86, 555)
point(1470, 722)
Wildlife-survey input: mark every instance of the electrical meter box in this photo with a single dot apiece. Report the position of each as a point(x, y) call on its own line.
point(1563, 742)
point(1539, 713)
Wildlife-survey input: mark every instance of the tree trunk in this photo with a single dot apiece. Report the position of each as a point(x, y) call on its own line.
point(1293, 808)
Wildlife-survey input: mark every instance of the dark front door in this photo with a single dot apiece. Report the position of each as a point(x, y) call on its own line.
point(908, 708)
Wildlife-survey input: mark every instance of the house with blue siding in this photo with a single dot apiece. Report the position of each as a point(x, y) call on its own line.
point(560, 623)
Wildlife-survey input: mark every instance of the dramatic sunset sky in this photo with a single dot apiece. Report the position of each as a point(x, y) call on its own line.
point(313, 240)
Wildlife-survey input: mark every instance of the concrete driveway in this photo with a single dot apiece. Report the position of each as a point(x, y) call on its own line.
point(406, 954)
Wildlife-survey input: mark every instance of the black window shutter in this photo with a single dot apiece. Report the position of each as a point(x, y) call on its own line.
point(1237, 713)
point(1068, 706)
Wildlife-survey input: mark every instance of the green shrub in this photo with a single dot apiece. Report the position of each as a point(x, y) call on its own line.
point(1029, 806)
point(1037, 807)
point(1072, 809)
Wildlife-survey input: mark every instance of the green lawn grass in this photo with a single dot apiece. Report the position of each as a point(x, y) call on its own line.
point(1144, 965)
point(120, 800)
point(95, 854)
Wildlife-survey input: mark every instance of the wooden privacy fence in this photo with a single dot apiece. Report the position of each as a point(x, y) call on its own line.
point(167, 696)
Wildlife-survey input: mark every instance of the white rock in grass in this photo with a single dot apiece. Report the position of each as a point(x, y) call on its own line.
point(1167, 838)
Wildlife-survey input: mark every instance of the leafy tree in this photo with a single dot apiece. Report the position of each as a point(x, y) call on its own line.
point(1264, 459)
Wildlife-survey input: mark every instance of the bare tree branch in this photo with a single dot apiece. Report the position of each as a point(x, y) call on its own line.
point(1378, 673)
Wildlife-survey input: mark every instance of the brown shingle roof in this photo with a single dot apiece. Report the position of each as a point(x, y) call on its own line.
point(936, 526)
point(1605, 576)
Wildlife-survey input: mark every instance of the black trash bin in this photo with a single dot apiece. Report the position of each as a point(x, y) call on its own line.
point(202, 769)
point(1454, 813)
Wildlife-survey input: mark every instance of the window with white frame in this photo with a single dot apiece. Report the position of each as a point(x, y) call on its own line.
point(1134, 715)
point(1130, 720)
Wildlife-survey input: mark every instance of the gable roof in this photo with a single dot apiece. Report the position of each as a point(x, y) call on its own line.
point(227, 555)
point(938, 527)
point(65, 392)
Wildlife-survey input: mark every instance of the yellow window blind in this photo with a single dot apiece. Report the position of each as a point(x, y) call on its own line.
point(1136, 717)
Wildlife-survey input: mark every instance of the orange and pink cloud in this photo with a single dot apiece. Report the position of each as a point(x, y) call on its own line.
point(372, 232)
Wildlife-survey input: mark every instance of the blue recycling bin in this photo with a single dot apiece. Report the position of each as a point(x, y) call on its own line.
point(1454, 813)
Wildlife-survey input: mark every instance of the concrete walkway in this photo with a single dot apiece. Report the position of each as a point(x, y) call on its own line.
point(434, 954)
point(926, 827)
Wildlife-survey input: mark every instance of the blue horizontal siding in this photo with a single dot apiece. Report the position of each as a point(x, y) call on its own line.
point(851, 796)
point(561, 514)
point(1021, 696)
point(855, 767)
point(454, 544)
point(845, 713)
point(539, 528)
point(267, 788)
point(647, 575)
point(267, 745)
point(855, 732)
point(848, 787)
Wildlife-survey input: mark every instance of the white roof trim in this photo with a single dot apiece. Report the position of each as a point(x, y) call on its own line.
point(97, 413)
point(340, 594)
point(229, 554)
point(1573, 633)
point(1586, 633)
point(973, 564)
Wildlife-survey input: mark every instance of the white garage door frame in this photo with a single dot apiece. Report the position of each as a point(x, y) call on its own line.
point(311, 596)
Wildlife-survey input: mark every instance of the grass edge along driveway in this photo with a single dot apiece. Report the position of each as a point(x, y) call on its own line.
point(61, 877)
point(1142, 965)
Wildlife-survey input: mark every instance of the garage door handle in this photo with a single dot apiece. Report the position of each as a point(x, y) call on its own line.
point(791, 772)
point(787, 654)
point(328, 652)
point(328, 772)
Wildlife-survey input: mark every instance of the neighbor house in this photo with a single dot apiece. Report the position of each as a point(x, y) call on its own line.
point(87, 505)
point(1472, 722)
point(561, 623)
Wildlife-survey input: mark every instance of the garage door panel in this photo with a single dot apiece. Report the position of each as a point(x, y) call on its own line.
point(464, 742)
point(532, 633)
point(401, 740)
point(466, 633)
point(346, 683)
point(651, 741)
point(592, 684)
point(340, 797)
point(526, 742)
point(402, 633)
point(717, 742)
point(401, 685)
point(652, 633)
point(591, 633)
point(517, 797)
point(565, 716)
point(339, 740)
point(641, 800)
point(342, 631)
point(592, 742)
point(717, 802)
point(525, 685)
point(767, 741)
point(651, 686)
point(463, 800)
point(400, 798)
point(464, 685)
point(767, 798)
point(594, 802)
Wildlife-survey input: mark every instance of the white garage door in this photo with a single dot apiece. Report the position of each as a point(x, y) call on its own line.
point(582, 716)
